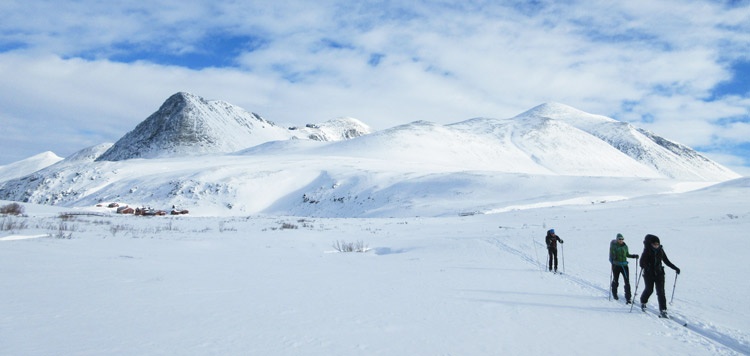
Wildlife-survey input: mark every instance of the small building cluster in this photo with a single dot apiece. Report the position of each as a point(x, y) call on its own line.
point(143, 211)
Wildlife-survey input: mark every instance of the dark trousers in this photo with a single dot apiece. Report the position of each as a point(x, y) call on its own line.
point(616, 271)
point(654, 279)
point(552, 258)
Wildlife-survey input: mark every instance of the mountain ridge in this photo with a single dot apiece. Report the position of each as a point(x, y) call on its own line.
point(668, 158)
point(187, 124)
point(365, 174)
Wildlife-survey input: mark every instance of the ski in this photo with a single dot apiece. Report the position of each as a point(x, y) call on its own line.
point(674, 318)
point(678, 320)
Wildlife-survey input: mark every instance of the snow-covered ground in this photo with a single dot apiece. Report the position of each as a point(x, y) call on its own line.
point(98, 283)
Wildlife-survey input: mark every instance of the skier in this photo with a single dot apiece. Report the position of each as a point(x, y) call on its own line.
point(618, 257)
point(653, 272)
point(551, 241)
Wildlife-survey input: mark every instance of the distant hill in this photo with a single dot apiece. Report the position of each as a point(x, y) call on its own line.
point(669, 159)
point(548, 139)
point(27, 166)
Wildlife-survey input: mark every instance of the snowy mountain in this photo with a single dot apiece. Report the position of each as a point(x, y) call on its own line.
point(188, 125)
point(88, 154)
point(27, 166)
point(214, 158)
point(549, 139)
point(668, 158)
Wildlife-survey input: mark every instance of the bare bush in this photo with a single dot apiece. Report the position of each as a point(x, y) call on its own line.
point(11, 224)
point(64, 226)
point(288, 226)
point(60, 234)
point(67, 216)
point(284, 226)
point(342, 246)
point(12, 209)
point(114, 229)
point(223, 227)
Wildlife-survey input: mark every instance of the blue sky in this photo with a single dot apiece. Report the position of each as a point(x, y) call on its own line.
point(76, 74)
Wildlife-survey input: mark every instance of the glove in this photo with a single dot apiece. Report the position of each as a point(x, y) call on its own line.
point(677, 270)
point(635, 256)
point(561, 241)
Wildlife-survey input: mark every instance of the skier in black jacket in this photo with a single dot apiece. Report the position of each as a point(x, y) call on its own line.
point(551, 240)
point(653, 272)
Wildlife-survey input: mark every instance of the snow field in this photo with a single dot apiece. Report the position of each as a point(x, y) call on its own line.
point(429, 286)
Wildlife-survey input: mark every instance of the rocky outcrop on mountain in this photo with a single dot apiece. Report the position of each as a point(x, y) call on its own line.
point(333, 130)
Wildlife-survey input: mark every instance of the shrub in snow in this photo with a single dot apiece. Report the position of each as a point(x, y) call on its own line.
point(12, 224)
point(342, 246)
point(12, 209)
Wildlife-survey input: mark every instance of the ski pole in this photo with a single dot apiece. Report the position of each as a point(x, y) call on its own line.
point(671, 300)
point(562, 251)
point(609, 287)
point(637, 279)
point(638, 276)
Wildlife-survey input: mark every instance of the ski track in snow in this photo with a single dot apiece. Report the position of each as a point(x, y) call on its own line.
point(676, 320)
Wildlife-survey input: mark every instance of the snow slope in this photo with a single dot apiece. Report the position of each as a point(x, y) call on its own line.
point(28, 165)
point(452, 285)
point(670, 159)
point(308, 183)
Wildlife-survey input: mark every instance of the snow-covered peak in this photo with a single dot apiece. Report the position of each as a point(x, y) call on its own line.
point(344, 128)
point(668, 158)
point(187, 124)
point(89, 153)
point(28, 165)
point(566, 113)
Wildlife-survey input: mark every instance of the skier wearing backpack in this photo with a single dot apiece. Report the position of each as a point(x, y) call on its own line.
point(551, 240)
point(618, 257)
point(653, 272)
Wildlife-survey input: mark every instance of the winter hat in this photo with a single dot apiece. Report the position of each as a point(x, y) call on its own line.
point(551, 231)
point(649, 239)
point(620, 237)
